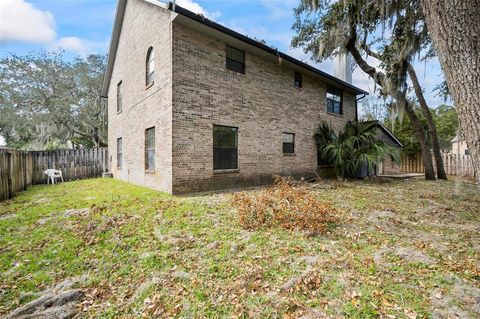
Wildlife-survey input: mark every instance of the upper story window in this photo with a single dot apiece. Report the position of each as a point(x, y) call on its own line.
point(235, 59)
point(225, 147)
point(119, 153)
point(150, 149)
point(150, 67)
point(298, 80)
point(334, 101)
point(119, 97)
point(288, 143)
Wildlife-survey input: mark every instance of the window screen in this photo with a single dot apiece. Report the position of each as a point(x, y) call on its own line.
point(288, 143)
point(119, 97)
point(298, 80)
point(150, 148)
point(119, 153)
point(235, 59)
point(225, 147)
point(334, 101)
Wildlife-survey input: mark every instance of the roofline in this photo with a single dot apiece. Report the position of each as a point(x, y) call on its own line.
point(243, 38)
point(386, 130)
point(112, 50)
point(117, 28)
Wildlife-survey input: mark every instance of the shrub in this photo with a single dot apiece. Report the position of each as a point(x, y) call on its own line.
point(286, 204)
point(358, 144)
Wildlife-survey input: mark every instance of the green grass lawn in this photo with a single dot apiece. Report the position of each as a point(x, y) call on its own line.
point(403, 249)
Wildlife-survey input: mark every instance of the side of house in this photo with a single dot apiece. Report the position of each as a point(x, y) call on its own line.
point(195, 106)
point(140, 104)
point(254, 111)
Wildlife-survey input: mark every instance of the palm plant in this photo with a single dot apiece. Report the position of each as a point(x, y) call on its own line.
point(358, 144)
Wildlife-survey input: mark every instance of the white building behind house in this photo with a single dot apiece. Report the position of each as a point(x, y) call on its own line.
point(459, 145)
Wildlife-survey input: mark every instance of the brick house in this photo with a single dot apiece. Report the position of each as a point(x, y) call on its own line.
point(194, 106)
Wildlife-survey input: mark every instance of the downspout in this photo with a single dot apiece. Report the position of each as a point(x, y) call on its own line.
point(356, 106)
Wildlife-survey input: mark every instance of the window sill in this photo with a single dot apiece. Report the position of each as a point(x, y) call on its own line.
point(289, 154)
point(118, 112)
point(335, 114)
point(149, 85)
point(226, 171)
point(299, 89)
point(150, 171)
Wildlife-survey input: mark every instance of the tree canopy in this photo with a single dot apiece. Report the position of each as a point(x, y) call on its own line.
point(48, 100)
point(394, 33)
point(446, 121)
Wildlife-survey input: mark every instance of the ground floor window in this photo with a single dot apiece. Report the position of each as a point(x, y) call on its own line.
point(288, 143)
point(119, 153)
point(150, 149)
point(225, 147)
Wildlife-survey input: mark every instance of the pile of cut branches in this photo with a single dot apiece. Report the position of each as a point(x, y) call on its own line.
point(287, 204)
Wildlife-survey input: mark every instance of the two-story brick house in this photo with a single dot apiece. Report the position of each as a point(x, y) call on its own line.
point(193, 105)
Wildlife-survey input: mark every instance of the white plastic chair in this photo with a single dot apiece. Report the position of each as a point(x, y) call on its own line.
point(52, 174)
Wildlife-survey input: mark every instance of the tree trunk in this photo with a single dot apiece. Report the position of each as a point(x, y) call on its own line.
point(432, 129)
point(454, 26)
point(420, 132)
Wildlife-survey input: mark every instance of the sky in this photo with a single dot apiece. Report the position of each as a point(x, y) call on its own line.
point(81, 27)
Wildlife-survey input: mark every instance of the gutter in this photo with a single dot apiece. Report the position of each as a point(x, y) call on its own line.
point(356, 106)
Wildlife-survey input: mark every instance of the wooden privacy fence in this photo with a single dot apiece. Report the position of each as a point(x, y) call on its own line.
point(18, 169)
point(455, 164)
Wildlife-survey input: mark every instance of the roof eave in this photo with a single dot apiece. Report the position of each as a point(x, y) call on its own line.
point(112, 51)
point(117, 27)
point(201, 19)
point(386, 130)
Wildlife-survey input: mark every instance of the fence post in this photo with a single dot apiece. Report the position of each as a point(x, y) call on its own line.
point(10, 178)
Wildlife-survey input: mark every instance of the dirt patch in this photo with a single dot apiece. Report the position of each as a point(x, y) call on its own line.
point(83, 212)
point(384, 220)
point(407, 254)
point(8, 216)
point(310, 261)
point(463, 301)
point(179, 242)
point(77, 212)
point(42, 201)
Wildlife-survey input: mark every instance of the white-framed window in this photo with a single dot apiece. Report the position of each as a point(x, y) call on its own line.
point(150, 149)
point(150, 67)
point(119, 97)
point(119, 153)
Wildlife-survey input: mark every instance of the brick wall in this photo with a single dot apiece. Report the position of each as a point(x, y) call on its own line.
point(262, 103)
point(144, 25)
